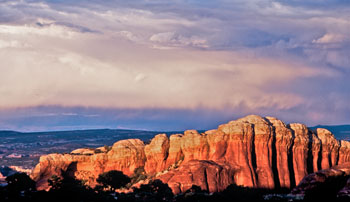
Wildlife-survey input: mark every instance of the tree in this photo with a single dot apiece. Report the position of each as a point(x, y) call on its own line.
point(155, 190)
point(55, 182)
point(139, 174)
point(20, 182)
point(19, 188)
point(113, 180)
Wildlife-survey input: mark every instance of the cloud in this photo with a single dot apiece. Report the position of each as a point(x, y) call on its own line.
point(246, 56)
point(69, 114)
point(11, 44)
point(51, 30)
point(140, 77)
point(171, 39)
point(128, 35)
point(330, 38)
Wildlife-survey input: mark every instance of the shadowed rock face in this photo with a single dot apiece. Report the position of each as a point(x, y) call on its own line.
point(252, 151)
point(335, 180)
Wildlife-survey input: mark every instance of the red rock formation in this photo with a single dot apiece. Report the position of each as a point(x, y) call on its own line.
point(335, 176)
point(252, 151)
point(300, 150)
point(263, 138)
point(156, 154)
point(330, 148)
point(84, 151)
point(206, 174)
point(2, 178)
point(315, 150)
point(125, 155)
point(283, 142)
point(235, 148)
point(175, 154)
point(344, 152)
point(217, 141)
point(194, 146)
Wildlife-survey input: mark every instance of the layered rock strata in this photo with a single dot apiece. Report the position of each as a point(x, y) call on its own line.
point(252, 151)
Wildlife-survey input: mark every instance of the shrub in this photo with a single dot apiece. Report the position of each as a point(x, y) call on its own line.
point(20, 182)
point(113, 180)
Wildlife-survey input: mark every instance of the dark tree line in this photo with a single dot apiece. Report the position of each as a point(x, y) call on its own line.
point(21, 187)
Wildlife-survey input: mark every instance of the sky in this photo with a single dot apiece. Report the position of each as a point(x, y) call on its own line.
point(172, 65)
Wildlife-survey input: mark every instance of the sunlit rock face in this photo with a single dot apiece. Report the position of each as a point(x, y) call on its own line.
point(344, 152)
point(206, 174)
point(252, 151)
point(125, 155)
point(329, 148)
point(156, 153)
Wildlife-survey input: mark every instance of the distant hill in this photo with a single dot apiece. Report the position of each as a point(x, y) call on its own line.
point(341, 132)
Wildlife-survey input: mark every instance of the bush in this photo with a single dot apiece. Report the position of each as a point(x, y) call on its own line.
point(156, 190)
point(107, 148)
point(20, 182)
point(139, 174)
point(113, 180)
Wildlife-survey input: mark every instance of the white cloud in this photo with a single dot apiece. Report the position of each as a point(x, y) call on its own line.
point(140, 77)
point(128, 35)
point(69, 114)
point(25, 30)
point(330, 38)
point(12, 44)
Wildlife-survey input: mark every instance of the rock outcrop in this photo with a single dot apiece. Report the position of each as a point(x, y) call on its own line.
point(335, 180)
point(125, 155)
point(84, 151)
point(156, 154)
point(252, 151)
point(330, 148)
point(344, 152)
point(206, 174)
point(2, 178)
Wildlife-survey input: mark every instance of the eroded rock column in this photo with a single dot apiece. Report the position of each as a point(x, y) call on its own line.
point(240, 151)
point(283, 143)
point(330, 148)
point(156, 153)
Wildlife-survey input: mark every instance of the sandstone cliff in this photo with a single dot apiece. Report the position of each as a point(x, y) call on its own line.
point(252, 151)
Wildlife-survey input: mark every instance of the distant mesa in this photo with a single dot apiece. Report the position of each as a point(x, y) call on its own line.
point(253, 151)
